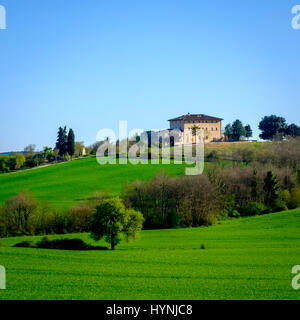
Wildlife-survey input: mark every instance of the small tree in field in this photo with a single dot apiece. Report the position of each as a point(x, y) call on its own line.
point(111, 219)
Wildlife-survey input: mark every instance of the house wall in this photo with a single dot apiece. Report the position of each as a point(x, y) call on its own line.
point(212, 130)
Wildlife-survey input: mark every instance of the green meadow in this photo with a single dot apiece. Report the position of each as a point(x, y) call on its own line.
point(247, 258)
point(66, 183)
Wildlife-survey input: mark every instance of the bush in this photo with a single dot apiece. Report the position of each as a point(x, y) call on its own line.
point(253, 209)
point(79, 217)
point(294, 199)
point(16, 215)
point(235, 214)
point(213, 156)
point(279, 205)
point(66, 244)
point(25, 244)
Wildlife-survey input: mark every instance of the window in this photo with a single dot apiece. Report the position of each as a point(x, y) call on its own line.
point(216, 129)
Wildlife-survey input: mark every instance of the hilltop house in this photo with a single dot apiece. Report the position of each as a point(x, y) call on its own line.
point(211, 126)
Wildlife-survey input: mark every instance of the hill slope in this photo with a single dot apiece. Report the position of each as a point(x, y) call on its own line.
point(62, 184)
point(249, 258)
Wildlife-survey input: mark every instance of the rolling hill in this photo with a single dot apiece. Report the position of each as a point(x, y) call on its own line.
point(65, 183)
point(247, 258)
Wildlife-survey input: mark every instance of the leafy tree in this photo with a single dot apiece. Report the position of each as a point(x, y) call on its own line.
point(238, 130)
point(38, 159)
point(271, 188)
point(293, 130)
point(249, 132)
point(272, 127)
point(78, 148)
point(111, 219)
point(11, 162)
point(71, 143)
point(3, 164)
point(62, 141)
point(48, 153)
point(228, 131)
point(20, 161)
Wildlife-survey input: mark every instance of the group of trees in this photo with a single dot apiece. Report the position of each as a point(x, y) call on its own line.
point(66, 148)
point(236, 131)
point(65, 143)
point(168, 202)
point(103, 217)
point(274, 127)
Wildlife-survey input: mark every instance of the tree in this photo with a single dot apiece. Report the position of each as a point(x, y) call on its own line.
point(29, 150)
point(255, 186)
point(20, 161)
point(249, 132)
point(62, 141)
point(48, 153)
point(18, 211)
point(272, 127)
point(293, 130)
point(78, 148)
point(238, 130)
point(111, 219)
point(3, 164)
point(71, 143)
point(228, 131)
point(195, 132)
point(271, 188)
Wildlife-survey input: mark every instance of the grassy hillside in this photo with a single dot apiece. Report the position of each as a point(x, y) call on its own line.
point(63, 184)
point(248, 258)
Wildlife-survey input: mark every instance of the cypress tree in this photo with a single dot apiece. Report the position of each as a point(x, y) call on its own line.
point(62, 141)
point(71, 143)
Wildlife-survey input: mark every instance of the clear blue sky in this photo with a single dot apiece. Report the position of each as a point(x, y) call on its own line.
point(87, 64)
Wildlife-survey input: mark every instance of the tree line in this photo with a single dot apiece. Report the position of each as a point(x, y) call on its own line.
point(272, 127)
point(66, 148)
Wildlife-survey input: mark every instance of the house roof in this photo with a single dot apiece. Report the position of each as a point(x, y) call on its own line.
point(196, 117)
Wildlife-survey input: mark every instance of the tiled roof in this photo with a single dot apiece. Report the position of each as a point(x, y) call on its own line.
point(196, 117)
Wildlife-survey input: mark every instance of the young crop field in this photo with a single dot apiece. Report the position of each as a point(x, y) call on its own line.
point(66, 183)
point(247, 258)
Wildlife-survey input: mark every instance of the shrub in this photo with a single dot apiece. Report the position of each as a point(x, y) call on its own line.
point(66, 244)
point(279, 205)
point(294, 199)
point(213, 156)
point(235, 214)
point(253, 209)
point(16, 215)
point(25, 244)
point(79, 217)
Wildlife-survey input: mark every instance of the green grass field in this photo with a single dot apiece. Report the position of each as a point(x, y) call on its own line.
point(63, 184)
point(249, 258)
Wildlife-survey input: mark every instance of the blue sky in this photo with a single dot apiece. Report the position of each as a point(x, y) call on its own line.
point(87, 64)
